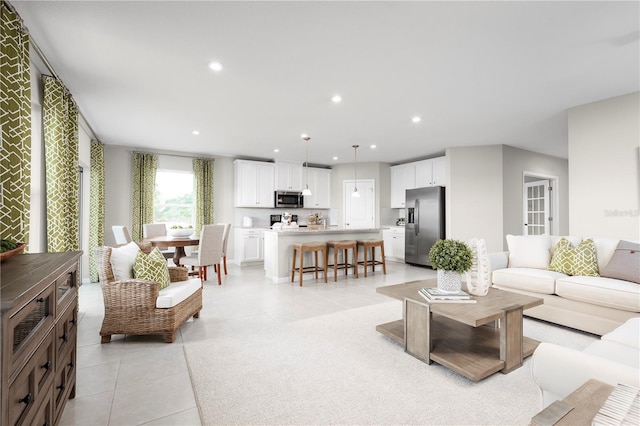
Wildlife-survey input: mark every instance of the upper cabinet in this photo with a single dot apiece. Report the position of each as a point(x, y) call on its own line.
point(320, 185)
point(254, 183)
point(431, 172)
point(419, 174)
point(289, 176)
point(403, 177)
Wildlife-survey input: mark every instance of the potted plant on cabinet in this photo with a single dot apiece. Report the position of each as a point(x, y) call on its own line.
point(451, 258)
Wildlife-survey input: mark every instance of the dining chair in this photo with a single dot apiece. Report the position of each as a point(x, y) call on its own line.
point(210, 252)
point(150, 230)
point(225, 240)
point(121, 234)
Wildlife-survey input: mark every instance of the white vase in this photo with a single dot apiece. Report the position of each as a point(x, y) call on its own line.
point(478, 281)
point(449, 281)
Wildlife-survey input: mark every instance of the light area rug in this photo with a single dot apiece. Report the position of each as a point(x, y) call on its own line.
point(336, 369)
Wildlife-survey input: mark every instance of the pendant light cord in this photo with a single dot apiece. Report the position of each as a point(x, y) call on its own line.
point(355, 168)
point(306, 190)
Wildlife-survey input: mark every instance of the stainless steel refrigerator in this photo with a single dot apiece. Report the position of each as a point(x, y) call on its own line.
point(424, 224)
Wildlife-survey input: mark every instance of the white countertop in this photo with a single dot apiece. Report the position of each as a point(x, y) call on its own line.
point(330, 230)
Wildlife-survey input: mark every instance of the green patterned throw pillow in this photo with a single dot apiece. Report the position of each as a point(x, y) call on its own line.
point(152, 267)
point(560, 261)
point(583, 259)
point(579, 260)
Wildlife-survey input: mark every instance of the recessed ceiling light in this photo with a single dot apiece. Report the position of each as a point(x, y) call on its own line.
point(195, 132)
point(335, 158)
point(372, 146)
point(336, 99)
point(416, 119)
point(276, 150)
point(215, 66)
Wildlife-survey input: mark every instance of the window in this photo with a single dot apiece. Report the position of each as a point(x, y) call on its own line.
point(174, 204)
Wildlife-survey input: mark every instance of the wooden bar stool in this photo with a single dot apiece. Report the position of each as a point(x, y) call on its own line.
point(343, 245)
point(372, 244)
point(301, 248)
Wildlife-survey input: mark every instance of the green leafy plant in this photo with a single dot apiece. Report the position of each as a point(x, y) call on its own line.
point(451, 255)
point(6, 245)
point(181, 227)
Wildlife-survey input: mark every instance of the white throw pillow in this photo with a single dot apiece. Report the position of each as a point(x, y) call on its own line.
point(122, 260)
point(529, 251)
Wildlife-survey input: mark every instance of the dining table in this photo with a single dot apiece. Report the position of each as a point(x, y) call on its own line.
point(179, 243)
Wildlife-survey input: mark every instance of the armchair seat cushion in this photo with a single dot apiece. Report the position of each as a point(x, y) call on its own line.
point(177, 292)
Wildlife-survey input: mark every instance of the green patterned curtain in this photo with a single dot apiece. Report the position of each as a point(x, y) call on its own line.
point(96, 209)
point(203, 176)
point(60, 116)
point(144, 186)
point(15, 106)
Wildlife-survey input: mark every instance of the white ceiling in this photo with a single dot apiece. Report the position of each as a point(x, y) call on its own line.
point(478, 73)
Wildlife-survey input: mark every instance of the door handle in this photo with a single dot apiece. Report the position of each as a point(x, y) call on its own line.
point(416, 218)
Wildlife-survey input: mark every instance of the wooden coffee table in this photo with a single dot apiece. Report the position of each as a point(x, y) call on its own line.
point(585, 402)
point(474, 340)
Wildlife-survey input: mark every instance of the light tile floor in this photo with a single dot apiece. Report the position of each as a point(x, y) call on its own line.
point(140, 380)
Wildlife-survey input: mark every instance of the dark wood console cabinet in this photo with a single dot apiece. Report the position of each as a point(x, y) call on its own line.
point(39, 307)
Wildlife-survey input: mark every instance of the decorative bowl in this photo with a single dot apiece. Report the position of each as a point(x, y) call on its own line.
point(7, 254)
point(180, 232)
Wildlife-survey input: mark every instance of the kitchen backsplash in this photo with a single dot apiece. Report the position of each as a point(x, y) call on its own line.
point(389, 217)
point(260, 217)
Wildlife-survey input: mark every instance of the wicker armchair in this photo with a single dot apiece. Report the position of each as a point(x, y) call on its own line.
point(130, 305)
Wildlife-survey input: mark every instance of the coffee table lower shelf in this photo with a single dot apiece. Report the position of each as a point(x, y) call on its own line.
point(473, 352)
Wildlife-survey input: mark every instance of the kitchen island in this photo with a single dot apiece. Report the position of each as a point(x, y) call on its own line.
point(278, 246)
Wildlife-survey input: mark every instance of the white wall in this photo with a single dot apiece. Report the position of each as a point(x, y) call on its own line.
point(484, 191)
point(38, 208)
point(84, 160)
point(517, 161)
point(223, 196)
point(604, 176)
point(118, 163)
point(474, 196)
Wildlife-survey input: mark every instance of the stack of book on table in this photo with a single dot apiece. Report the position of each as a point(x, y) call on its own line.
point(434, 295)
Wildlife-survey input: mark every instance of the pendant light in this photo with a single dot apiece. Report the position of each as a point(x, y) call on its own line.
point(355, 192)
point(306, 190)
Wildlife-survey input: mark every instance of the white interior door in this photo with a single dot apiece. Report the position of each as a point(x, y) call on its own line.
point(536, 208)
point(359, 212)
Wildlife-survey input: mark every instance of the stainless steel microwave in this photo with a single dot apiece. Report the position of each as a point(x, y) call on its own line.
point(289, 199)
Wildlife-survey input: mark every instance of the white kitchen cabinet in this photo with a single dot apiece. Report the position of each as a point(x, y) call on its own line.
point(403, 177)
point(248, 245)
point(418, 174)
point(320, 186)
point(431, 172)
point(289, 176)
point(254, 183)
point(394, 243)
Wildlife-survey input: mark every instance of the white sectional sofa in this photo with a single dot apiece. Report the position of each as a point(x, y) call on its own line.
point(595, 304)
point(613, 359)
